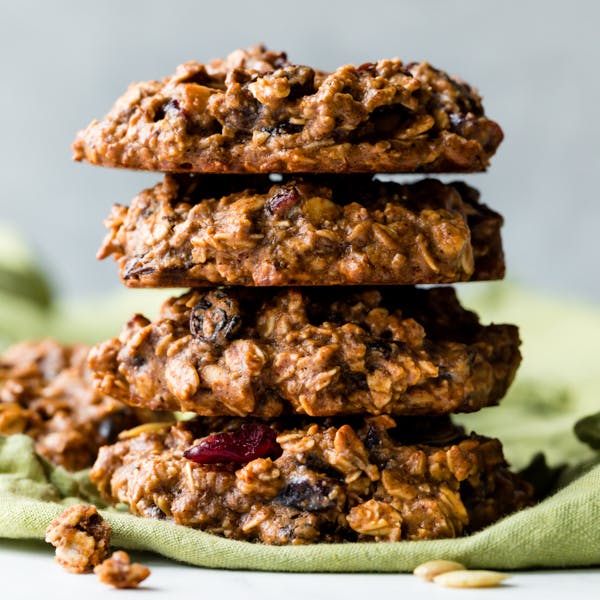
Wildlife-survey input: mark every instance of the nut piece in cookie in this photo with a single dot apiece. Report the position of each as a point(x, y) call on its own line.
point(81, 537)
point(120, 572)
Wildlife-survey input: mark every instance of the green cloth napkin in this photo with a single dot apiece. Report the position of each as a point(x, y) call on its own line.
point(561, 531)
point(558, 383)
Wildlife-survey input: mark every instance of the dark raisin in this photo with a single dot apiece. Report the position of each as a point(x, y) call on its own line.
point(315, 462)
point(282, 201)
point(111, 425)
point(372, 439)
point(304, 494)
point(159, 114)
point(215, 318)
point(282, 128)
point(245, 117)
point(388, 119)
point(138, 360)
point(251, 441)
point(133, 269)
point(280, 61)
point(383, 348)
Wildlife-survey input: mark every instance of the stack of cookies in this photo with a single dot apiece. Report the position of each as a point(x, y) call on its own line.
point(321, 377)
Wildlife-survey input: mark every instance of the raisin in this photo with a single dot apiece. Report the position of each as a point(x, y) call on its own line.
point(134, 268)
point(282, 128)
point(111, 425)
point(304, 494)
point(245, 117)
point(215, 318)
point(383, 348)
point(282, 201)
point(251, 441)
point(280, 61)
point(373, 438)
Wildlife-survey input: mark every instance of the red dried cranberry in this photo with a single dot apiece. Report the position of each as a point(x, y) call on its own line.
point(253, 440)
point(368, 66)
point(282, 201)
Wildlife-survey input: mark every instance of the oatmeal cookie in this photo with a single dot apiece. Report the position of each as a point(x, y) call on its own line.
point(46, 392)
point(81, 537)
point(363, 479)
point(248, 230)
point(255, 112)
point(315, 351)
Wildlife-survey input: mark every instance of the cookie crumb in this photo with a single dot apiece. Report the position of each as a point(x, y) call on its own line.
point(120, 572)
point(81, 538)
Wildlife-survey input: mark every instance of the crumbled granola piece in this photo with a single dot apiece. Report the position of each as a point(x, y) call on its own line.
point(120, 572)
point(81, 538)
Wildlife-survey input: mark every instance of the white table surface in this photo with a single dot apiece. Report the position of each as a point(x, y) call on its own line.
point(28, 571)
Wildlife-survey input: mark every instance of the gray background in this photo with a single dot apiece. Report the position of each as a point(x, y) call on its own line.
point(536, 63)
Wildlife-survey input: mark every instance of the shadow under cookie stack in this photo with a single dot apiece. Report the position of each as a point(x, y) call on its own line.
point(322, 377)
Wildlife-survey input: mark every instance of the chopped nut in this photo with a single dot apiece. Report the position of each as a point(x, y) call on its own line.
point(119, 572)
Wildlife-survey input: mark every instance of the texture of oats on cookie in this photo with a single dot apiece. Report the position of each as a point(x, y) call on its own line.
point(300, 480)
point(256, 112)
point(194, 231)
point(315, 351)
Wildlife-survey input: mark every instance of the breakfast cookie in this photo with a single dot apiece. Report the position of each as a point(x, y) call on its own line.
point(256, 112)
point(315, 351)
point(296, 481)
point(192, 231)
point(46, 392)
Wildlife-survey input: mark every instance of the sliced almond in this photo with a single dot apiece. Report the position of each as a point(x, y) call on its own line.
point(145, 428)
point(433, 568)
point(470, 579)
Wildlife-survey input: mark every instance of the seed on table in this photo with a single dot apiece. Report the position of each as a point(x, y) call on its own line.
point(470, 579)
point(433, 568)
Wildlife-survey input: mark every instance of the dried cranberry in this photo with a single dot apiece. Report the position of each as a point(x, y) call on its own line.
point(282, 201)
point(215, 318)
point(368, 66)
point(253, 440)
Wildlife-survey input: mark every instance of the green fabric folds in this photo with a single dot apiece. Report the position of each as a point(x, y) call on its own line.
point(559, 532)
